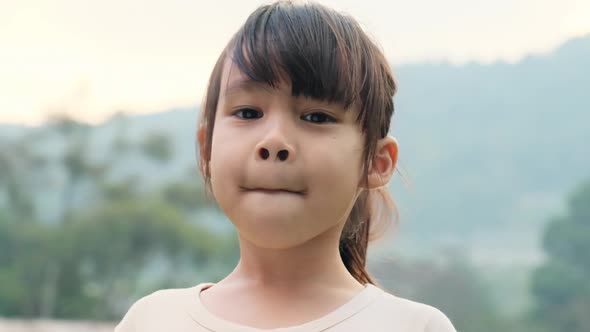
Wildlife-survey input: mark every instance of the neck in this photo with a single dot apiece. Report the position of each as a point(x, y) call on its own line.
point(315, 263)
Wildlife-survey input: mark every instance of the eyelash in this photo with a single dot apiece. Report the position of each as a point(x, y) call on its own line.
point(328, 118)
point(245, 109)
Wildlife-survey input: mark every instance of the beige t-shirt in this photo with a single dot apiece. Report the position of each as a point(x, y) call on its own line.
point(372, 309)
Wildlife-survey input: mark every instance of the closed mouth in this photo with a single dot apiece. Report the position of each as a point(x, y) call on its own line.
point(271, 191)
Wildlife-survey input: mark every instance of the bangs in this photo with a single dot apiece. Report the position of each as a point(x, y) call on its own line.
point(315, 49)
point(323, 54)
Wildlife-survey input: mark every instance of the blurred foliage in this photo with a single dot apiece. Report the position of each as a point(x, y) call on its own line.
point(182, 194)
point(24, 251)
point(97, 258)
point(18, 166)
point(561, 285)
point(157, 146)
point(107, 247)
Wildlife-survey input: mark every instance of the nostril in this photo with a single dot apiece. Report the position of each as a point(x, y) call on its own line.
point(283, 154)
point(263, 153)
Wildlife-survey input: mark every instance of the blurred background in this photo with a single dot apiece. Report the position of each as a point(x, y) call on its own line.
point(101, 201)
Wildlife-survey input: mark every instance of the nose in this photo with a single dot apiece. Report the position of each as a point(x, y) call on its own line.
point(274, 146)
point(281, 155)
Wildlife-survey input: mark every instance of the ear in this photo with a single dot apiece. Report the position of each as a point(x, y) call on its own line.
point(383, 163)
point(201, 141)
point(201, 136)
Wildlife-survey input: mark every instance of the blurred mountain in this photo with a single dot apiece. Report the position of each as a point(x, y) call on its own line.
point(489, 150)
point(492, 150)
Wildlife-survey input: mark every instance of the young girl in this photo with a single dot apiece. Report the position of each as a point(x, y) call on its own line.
point(294, 148)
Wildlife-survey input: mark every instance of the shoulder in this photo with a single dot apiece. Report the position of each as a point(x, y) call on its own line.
point(413, 315)
point(161, 298)
point(439, 322)
point(157, 304)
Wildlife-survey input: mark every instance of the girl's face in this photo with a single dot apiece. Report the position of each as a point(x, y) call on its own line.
point(284, 169)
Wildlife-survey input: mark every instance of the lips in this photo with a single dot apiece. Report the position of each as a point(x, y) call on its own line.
point(274, 191)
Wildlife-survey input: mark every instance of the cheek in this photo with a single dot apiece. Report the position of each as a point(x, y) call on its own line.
point(225, 161)
point(337, 159)
point(335, 172)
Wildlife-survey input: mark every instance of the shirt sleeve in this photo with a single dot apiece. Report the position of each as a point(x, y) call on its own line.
point(439, 322)
point(128, 324)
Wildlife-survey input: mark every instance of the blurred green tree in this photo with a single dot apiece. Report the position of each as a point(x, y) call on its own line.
point(561, 286)
point(20, 168)
point(104, 251)
point(97, 258)
point(74, 159)
point(157, 147)
point(26, 251)
point(186, 195)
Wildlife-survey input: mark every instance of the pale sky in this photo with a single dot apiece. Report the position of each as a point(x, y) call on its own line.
point(92, 58)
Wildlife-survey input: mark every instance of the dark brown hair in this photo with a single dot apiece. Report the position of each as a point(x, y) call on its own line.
point(325, 55)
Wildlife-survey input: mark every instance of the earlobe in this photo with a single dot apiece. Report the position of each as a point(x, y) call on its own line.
point(383, 163)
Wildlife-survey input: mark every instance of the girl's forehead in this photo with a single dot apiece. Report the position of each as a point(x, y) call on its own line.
point(231, 73)
point(234, 80)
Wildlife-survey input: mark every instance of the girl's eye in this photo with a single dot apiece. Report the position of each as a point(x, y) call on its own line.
point(318, 117)
point(248, 113)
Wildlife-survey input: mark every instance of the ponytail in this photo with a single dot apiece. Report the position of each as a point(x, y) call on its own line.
point(370, 218)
